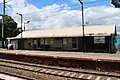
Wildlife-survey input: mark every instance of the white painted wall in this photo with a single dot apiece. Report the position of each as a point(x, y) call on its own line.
point(15, 44)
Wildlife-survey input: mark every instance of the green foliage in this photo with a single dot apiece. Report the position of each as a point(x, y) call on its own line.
point(116, 3)
point(10, 28)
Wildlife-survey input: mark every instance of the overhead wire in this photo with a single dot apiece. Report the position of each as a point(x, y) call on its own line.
point(51, 15)
point(30, 1)
point(60, 7)
point(56, 14)
point(66, 11)
point(57, 1)
point(47, 10)
point(40, 10)
point(92, 3)
point(6, 1)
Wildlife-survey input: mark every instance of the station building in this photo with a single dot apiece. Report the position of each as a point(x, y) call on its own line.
point(0, 34)
point(99, 38)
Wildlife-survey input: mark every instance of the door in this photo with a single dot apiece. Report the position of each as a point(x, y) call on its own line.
point(75, 43)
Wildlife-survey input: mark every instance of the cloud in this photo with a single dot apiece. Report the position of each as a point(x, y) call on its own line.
point(1, 1)
point(75, 1)
point(93, 0)
point(102, 15)
point(54, 16)
point(85, 1)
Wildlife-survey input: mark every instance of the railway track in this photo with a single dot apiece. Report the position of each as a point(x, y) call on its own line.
point(57, 71)
point(12, 76)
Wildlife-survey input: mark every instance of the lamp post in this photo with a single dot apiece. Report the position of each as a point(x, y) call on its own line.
point(21, 22)
point(25, 23)
point(82, 23)
point(3, 24)
point(2, 31)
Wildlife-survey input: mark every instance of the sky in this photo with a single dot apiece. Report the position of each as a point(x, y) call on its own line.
point(47, 14)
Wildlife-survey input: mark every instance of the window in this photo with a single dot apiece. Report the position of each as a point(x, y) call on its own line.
point(74, 42)
point(41, 41)
point(58, 38)
point(29, 43)
point(74, 45)
point(51, 41)
point(69, 40)
point(1, 43)
point(64, 41)
point(38, 41)
point(35, 41)
point(98, 40)
point(46, 41)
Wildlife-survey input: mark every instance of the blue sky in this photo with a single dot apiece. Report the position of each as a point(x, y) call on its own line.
point(87, 3)
point(42, 3)
point(97, 12)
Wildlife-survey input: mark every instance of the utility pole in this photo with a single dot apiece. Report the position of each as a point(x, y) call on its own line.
point(21, 44)
point(2, 29)
point(84, 46)
point(25, 23)
point(21, 23)
point(3, 23)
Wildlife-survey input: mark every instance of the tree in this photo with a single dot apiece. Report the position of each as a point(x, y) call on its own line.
point(116, 3)
point(10, 27)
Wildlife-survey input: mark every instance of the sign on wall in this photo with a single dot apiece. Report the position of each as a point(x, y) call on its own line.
point(99, 39)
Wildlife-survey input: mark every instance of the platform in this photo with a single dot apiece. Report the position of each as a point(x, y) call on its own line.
point(67, 55)
point(8, 77)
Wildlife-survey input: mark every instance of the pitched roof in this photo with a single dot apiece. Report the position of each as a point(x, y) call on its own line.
point(70, 32)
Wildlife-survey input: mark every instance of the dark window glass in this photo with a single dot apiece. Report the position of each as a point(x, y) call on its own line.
point(74, 42)
point(74, 45)
point(58, 38)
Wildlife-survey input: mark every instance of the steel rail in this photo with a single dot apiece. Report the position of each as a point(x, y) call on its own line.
point(59, 68)
point(55, 68)
point(15, 75)
point(43, 72)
